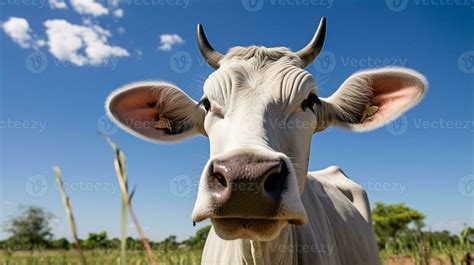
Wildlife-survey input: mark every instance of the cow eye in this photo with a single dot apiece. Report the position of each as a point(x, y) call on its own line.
point(309, 102)
point(206, 104)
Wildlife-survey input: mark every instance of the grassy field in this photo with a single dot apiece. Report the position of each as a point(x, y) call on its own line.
point(436, 257)
point(180, 257)
point(406, 248)
point(192, 257)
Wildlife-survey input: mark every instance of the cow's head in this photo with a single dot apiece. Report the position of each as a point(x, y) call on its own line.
point(260, 109)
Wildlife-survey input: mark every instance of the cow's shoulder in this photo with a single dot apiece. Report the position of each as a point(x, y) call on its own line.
point(355, 193)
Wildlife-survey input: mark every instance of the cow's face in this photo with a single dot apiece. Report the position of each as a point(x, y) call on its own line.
point(260, 109)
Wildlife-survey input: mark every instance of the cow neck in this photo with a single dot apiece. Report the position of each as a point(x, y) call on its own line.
point(277, 251)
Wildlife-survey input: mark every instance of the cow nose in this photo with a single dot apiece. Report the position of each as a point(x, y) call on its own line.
point(247, 182)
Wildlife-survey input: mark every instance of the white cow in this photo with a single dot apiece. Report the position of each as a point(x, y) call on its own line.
point(260, 109)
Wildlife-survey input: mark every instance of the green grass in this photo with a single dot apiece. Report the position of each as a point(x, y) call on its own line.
point(398, 254)
point(436, 256)
point(178, 257)
point(99, 257)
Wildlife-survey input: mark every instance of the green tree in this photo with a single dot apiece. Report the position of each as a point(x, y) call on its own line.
point(199, 239)
point(96, 240)
point(61, 243)
point(465, 238)
point(32, 227)
point(169, 243)
point(134, 244)
point(392, 219)
point(440, 237)
point(114, 243)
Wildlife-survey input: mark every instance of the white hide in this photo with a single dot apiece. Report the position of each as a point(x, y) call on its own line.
point(255, 95)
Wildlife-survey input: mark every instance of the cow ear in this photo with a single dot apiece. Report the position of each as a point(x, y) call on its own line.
point(155, 111)
point(370, 99)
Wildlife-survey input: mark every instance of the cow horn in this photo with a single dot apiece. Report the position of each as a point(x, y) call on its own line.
point(309, 53)
point(211, 56)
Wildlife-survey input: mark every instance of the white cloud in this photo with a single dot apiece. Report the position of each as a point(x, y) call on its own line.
point(18, 29)
point(89, 7)
point(81, 45)
point(167, 41)
point(118, 12)
point(57, 4)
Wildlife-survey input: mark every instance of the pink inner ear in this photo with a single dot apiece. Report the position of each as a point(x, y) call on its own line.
point(138, 110)
point(393, 93)
point(134, 98)
point(138, 107)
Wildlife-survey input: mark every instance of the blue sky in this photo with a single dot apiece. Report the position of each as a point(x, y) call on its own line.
point(52, 109)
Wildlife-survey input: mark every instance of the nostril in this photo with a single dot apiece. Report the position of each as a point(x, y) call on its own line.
point(272, 182)
point(217, 177)
point(275, 183)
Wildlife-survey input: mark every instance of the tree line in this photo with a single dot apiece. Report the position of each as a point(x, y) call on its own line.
point(31, 230)
point(399, 229)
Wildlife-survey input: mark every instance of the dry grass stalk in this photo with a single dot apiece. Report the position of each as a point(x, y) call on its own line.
point(68, 208)
point(120, 170)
